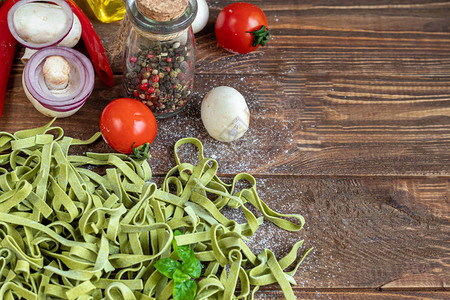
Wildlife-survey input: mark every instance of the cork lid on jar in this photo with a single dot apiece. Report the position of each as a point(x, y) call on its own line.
point(162, 10)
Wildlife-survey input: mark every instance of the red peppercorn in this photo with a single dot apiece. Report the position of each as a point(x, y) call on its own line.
point(168, 69)
point(156, 78)
point(151, 90)
point(144, 86)
point(169, 59)
point(136, 94)
point(133, 59)
point(150, 56)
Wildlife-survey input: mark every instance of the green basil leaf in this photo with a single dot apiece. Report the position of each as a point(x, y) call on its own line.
point(192, 266)
point(174, 242)
point(184, 252)
point(185, 290)
point(180, 276)
point(167, 266)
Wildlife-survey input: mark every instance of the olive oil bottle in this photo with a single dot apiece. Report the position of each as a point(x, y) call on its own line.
point(108, 11)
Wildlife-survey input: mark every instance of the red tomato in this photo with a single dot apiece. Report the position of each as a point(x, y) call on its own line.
point(239, 28)
point(125, 121)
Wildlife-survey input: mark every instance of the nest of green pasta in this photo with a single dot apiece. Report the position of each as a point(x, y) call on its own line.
point(67, 232)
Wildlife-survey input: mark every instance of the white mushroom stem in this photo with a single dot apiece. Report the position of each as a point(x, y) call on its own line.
point(26, 56)
point(56, 71)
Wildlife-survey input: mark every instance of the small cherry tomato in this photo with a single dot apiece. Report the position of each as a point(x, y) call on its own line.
point(241, 28)
point(127, 123)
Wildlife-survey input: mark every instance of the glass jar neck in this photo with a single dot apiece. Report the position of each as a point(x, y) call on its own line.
point(175, 27)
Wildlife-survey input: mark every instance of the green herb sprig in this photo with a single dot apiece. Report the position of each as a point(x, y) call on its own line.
point(182, 273)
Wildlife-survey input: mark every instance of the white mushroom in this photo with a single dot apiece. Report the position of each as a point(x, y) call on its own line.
point(56, 71)
point(202, 16)
point(225, 114)
point(41, 23)
point(74, 34)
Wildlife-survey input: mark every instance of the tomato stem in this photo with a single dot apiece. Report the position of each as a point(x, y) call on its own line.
point(261, 36)
point(141, 152)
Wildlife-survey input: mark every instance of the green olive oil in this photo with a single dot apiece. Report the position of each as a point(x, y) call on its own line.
point(108, 11)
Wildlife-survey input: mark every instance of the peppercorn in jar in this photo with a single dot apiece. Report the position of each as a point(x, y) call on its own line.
point(159, 56)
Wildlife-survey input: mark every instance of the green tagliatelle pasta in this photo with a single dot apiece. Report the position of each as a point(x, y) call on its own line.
point(67, 232)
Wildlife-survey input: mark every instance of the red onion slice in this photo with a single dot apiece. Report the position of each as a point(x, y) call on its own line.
point(67, 26)
point(81, 82)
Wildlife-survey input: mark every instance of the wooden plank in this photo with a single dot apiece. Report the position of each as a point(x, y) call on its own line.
point(331, 126)
point(366, 233)
point(316, 37)
point(361, 295)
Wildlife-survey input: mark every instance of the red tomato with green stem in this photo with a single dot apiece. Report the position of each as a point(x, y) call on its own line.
point(241, 28)
point(126, 124)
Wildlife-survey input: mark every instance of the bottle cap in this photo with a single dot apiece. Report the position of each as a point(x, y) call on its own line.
point(162, 10)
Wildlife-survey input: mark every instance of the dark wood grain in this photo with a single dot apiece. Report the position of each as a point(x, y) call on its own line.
point(300, 125)
point(350, 126)
point(366, 233)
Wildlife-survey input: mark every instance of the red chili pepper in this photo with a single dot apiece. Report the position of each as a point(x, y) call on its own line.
point(8, 47)
point(94, 46)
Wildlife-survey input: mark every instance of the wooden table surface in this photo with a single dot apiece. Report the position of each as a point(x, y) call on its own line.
point(350, 127)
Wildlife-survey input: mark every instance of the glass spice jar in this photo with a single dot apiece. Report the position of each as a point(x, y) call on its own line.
point(159, 57)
